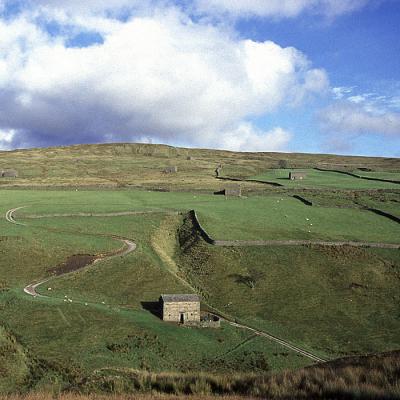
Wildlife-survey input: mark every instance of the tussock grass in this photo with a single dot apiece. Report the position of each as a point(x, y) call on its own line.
point(369, 377)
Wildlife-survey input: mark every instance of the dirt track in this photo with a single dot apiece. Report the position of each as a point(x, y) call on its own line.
point(128, 247)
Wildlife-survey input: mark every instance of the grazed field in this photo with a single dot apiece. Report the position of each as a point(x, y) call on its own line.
point(256, 217)
point(325, 179)
point(330, 301)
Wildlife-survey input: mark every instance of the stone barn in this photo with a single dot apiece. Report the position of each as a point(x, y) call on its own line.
point(9, 173)
point(171, 170)
point(294, 176)
point(180, 308)
point(233, 191)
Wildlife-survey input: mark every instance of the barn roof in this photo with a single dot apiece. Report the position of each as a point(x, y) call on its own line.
point(173, 298)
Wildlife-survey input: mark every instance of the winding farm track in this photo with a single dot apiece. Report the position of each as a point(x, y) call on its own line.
point(282, 342)
point(130, 246)
point(10, 216)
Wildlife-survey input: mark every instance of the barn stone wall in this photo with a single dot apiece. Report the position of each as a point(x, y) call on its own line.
point(190, 310)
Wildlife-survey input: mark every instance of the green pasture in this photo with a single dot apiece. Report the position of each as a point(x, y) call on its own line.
point(322, 179)
point(114, 329)
point(255, 218)
point(129, 280)
point(95, 336)
point(330, 302)
point(393, 176)
point(333, 301)
point(280, 218)
point(98, 336)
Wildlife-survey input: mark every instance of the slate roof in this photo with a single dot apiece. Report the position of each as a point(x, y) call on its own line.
point(174, 298)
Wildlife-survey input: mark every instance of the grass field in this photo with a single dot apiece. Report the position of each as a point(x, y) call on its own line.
point(393, 176)
point(330, 301)
point(327, 179)
point(142, 276)
point(257, 217)
point(280, 218)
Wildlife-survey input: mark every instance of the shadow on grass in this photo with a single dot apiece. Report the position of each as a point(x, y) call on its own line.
point(153, 307)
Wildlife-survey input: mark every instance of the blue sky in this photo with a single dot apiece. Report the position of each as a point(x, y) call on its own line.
point(318, 76)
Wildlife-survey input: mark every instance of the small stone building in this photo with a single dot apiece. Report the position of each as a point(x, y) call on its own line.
point(171, 170)
point(233, 191)
point(180, 308)
point(293, 176)
point(9, 173)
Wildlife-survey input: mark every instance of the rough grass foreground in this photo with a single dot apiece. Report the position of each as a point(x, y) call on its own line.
point(365, 377)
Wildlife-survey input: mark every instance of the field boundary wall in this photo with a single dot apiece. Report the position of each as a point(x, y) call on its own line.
point(368, 178)
point(237, 243)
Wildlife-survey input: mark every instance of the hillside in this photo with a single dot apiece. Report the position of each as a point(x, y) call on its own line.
point(142, 165)
point(301, 272)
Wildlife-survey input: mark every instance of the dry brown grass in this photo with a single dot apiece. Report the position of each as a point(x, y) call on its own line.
point(72, 396)
point(365, 378)
point(141, 165)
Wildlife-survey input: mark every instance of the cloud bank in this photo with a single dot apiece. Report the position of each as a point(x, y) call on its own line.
point(155, 78)
point(344, 118)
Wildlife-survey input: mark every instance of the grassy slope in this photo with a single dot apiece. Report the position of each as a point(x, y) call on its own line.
point(333, 301)
point(117, 165)
point(99, 336)
point(256, 217)
point(276, 217)
point(14, 363)
point(85, 334)
point(323, 179)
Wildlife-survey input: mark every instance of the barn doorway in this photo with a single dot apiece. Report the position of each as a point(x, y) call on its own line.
point(182, 318)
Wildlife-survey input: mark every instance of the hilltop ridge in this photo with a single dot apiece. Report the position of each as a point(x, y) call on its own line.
point(142, 165)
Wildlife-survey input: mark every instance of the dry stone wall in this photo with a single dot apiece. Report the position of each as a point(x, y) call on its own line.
point(181, 311)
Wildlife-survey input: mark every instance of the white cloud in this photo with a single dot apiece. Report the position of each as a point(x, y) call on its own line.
point(163, 77)
point(247, 138)
point(279, 8)
point(357, 99)
point(6, 138)
point(345, 118)
point(342, 91)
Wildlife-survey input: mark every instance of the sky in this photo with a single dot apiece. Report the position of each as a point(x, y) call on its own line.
point(316, 76)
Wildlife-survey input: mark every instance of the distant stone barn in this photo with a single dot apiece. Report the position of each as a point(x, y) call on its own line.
point(180, 308)
point(9, 173)
point(233, 191)
point(294, 176)
point(171, 170)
